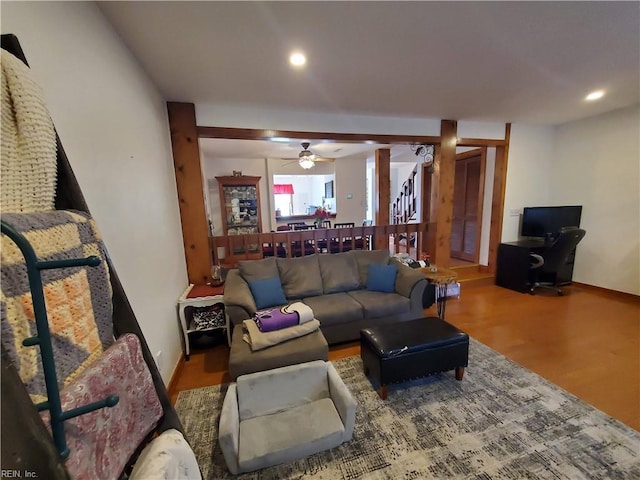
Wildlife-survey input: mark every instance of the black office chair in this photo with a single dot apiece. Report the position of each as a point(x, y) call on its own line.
point(546, 266)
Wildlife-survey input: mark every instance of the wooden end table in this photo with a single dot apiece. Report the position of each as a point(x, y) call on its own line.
point(440, 278)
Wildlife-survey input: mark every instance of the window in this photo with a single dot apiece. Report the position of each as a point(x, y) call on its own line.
point(283, 197)
point(302, 194)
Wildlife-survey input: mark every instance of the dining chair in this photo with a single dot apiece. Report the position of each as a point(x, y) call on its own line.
point(308, 245)
point(292, 225)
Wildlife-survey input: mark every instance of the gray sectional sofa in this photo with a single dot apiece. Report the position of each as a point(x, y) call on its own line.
point(334, 286)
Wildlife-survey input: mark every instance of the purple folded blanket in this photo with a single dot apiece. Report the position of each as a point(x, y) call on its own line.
point(276, 319)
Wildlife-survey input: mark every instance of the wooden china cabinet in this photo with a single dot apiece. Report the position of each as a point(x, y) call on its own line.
point(240, 204)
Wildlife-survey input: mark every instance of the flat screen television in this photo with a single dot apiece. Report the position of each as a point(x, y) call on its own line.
point(547, 221)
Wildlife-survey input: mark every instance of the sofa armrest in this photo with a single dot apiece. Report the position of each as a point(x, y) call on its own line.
point(342, 399)
point(238, 300)
point(407, 278)
point(229, 429)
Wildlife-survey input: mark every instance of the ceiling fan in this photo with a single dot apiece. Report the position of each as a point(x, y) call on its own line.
point(306, 158)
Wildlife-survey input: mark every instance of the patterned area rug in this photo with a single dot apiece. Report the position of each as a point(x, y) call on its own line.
point(501, 422)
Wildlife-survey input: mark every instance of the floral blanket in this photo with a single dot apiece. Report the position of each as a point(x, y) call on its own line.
point(101, 442)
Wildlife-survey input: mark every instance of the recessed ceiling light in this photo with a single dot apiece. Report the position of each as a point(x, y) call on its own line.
point(594, 95)
point(297, 59)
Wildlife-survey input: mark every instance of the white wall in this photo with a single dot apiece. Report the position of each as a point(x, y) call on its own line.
point(530, 159)
point(350, 187)
point(594, 163)
point(485, 130)
point(298, 120)
point(597, 165)
point(114, 128)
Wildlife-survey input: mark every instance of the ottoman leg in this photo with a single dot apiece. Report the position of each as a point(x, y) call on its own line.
point(382, 391)
point(459, 373)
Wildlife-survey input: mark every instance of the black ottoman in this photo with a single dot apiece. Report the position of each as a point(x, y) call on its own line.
point(401, 351)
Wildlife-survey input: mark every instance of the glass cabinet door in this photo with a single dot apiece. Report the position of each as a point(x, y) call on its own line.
point(240, 205)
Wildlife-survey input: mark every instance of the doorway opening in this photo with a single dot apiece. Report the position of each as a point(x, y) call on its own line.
point(468, 203)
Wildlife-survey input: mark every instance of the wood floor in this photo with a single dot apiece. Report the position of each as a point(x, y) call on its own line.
point(587, 342)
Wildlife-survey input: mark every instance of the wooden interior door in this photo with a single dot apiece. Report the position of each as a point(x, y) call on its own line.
point(467, 205)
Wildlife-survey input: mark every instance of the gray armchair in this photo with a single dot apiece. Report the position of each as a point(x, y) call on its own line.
point(281, 415)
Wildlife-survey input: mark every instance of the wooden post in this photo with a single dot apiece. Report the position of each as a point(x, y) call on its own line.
point(442, 192)
point(383, 189)
point(497, 201)
point(427, 240)
point(186, 160)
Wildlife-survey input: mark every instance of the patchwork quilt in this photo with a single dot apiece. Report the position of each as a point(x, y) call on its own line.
point(78, 299)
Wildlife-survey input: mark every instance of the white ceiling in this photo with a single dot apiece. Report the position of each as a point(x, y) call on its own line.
point(529, 62)
point(258, 149)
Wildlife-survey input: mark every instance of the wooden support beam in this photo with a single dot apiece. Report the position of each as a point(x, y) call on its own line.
point(383, 185)
point(266, 134)
point(444, 175)
point(497, 201)
point(186, 160)
point(479, 142)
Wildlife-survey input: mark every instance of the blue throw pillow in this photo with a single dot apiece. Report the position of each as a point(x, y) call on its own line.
point(382, 278)
point(267, 292)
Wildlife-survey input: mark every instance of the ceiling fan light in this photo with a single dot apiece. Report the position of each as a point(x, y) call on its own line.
point(306, 162)
point(307, 158)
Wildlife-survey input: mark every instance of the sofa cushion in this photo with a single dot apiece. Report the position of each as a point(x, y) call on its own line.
point(270, 391)
point(243, 360)
point(335, 308)
point(258, 269)
point(339, 272)
point(366, 257)
point(288, 435)
point(300, 276)
point(267, 292)
point(382, 278)
point(378, 304)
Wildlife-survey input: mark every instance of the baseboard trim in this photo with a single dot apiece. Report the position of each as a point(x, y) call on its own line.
point(623, 295)
point(171, 387)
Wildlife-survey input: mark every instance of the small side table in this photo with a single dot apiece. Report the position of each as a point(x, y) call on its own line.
point(441, 279)
point(199, 298)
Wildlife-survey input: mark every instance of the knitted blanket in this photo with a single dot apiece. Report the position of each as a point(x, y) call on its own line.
point(78, 299)
point(28, 181)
